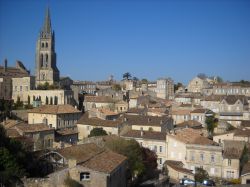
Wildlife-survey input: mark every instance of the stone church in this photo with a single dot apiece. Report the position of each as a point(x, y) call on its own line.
point(46, 69)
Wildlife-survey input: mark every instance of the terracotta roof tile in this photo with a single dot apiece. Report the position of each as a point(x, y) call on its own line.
point(33, 127)
point(191, 136)
point(145, 120)
point(99, 99)
point(54, 109)
point(106, 161)
point(146, 135)
point(93, 157)
point(85, 120)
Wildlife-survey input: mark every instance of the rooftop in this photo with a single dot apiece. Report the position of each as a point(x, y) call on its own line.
point(191, 136)
point(145, 120)
point(93, 157)
point(85, 120)
point(146, 135)
point(99, 99)
point(54, 109)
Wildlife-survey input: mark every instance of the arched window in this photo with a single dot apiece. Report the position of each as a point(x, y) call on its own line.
point(47, 58)
point(46, 44)
point(41, 60)
point(42, 45)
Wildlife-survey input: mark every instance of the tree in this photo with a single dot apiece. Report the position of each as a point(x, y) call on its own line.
point(200, 175)
point(127, 76)
point(177, 86)
point(97, 132)
point(150, 163)
point(135, 79)
point(202, 75)
point(144, 81)
point(211, 123)
point(116, 87)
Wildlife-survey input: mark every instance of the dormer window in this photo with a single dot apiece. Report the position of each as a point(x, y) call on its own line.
point(84, 176)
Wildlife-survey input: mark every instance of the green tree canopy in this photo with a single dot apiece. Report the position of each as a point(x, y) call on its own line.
point(97, 132)
point(126, 76)
point(211, 123)
point(200, 175)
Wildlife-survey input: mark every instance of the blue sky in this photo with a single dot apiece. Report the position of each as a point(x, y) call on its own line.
point(148, 38)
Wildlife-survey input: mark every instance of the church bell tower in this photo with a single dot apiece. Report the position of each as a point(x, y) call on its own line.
point(46, 69)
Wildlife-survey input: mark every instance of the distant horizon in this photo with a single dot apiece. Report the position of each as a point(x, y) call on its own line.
point(150, 39)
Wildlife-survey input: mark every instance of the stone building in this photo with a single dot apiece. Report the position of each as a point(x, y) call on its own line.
point(21, 86)
point(41, 135)
point(165, 88)
point(198, 84)
point(194, 150)
point(228, 89)
point(87, 123)
point(6, 75)
point(56, 116)
point(45, 97)
point(232, 109)
point(46, 69)
point(87, 164)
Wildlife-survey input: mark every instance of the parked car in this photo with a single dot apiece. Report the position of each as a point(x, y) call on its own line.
point(208, 182)
point(186, 181)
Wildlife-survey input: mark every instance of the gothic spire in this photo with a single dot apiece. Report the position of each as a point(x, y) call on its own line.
point(47, 22)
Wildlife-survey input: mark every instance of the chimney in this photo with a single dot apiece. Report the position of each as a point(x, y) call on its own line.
point(5, 65)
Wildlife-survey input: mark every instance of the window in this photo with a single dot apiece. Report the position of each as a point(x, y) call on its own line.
point(160, 149)
point(155, 148)
point(212, 170)
point(84, 176)
point(212, 158)
point(201, 157)
point(160, 161)
point(229, 162)
point(21, 88)
point(192, 156)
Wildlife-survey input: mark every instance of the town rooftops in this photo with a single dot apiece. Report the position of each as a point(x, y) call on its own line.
point(181, 112)
point(93, 157)
point(145, 120)
point(191, 136)
point(200, 110)
point(29, 128)
point(54, 109)
point(242, 132)
point(232, 99)
point(99, 99)
point(245, 123)
point(66, 131)
point(246, 169)
point(190, 124)
point(178, 166)
point(212, 97)
point(145, 135)
point(233, 149)
point(94, 121)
